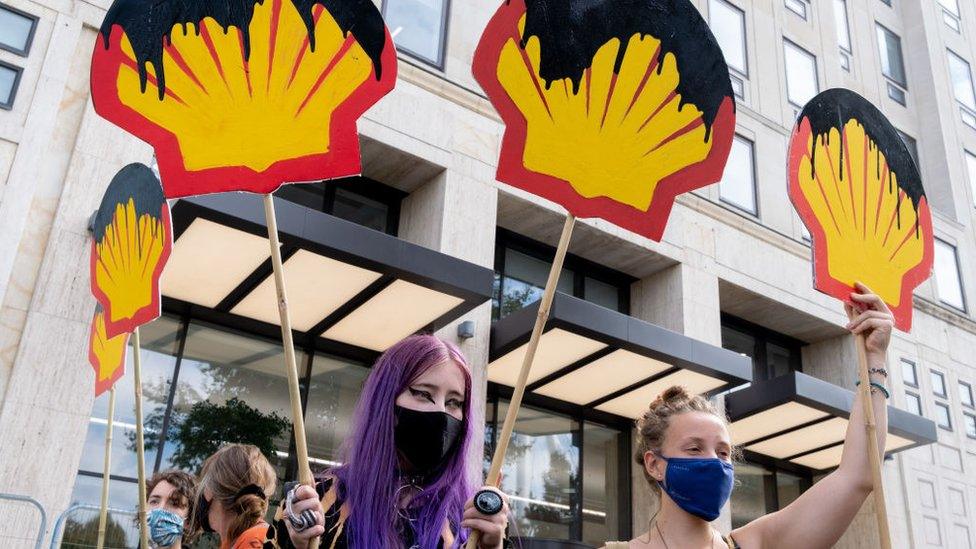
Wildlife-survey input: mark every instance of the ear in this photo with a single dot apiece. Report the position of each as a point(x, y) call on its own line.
point(654, 465)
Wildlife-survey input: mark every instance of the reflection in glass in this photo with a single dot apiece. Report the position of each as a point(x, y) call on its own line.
point(540, 472)
point(788, 488)
point(361, 210)
point(601, 293)
point(962, 80)
point(947, 283)
point(333, 393)
point(892, 65)
point(8, 77)
point(601, 449)
point(801, 74)
point(777, 360)
point(749, 494)
point(15, 29)
point(524, 279)
point(417, 26)
point(738, 184)
point(81, 525)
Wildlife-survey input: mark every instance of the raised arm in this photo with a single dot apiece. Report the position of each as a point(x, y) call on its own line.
point(820, 516)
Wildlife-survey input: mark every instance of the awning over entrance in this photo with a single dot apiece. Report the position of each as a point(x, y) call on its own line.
point(608, 361)
point(346, 283)
point(802, 420)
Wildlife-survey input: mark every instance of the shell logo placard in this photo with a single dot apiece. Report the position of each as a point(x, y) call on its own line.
point(132, 239)
point(244, 95)
point(857, 189)
point(106, 355)
point(611, 107)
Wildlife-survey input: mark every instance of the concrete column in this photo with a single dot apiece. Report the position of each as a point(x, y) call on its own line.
point(685, 299)
point(454, 213)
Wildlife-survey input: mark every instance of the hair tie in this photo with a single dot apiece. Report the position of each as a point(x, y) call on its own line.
point(250, 489)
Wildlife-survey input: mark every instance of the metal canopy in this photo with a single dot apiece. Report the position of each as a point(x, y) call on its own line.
point(797, 419)
point(604, 360)
point(346, 283)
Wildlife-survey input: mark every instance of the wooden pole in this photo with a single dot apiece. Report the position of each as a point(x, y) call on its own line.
point(106, 470)
point(140, 443)
point(880, 508)
point(498, 459)
point(297, 418)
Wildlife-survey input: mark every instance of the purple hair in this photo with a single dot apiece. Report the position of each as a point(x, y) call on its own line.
point(368, 479)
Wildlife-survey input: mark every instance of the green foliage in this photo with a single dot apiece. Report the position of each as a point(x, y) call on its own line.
point(84, 535)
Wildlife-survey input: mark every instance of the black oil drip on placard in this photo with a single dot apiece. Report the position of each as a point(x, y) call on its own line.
point(134, 182)
point(833, 109)
point(571, 31)
point(148, 23)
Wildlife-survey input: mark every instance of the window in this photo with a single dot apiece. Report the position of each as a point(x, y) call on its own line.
point(798, 7)
point(728, 24)
point(942, 416)
point(950, 14)
point(843, 33)
point(939, 384)
point(971, 171)
point(565, 474)
point(886, 2)
point(761, 490)
point(892, 63)
point(908, 373)
point(913, 403)
point(962, 87)
point(738, 185)
point(419, 27)
point(522, 267)
point(773, 354)
point(357, 199)
point(912, 146)
point(947, 282)
point(196, 375)
point(801, 74)
point(966, 394)
point(970, 421)
point(9, 81)
point(16, 30)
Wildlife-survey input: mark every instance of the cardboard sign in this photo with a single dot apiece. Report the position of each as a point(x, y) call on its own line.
point(244, 95)
point(858, 191)
point(611, 107)
point(132, 239)
point(106, 355)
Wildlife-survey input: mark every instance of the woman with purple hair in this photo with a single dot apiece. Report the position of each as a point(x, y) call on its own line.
point(402, 482)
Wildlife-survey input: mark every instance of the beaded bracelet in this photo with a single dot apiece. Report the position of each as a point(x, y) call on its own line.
point(875, 385)
point(880, 371)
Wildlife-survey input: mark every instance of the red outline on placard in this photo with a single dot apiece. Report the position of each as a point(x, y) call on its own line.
point(511, 169)
point(342, 159)
point(103, 385)
point(145, 314)
point(821, 275)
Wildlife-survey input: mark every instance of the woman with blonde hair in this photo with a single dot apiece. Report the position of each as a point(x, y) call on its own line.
point(232, 496)
point(688, 459)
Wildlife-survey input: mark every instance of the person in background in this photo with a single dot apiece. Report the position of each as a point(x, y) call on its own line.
point(403, 479)
point(232, 496)
point(170, 504)
point(688, 457)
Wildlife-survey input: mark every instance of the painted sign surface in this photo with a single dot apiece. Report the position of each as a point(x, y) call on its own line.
point(244, 95)
point(611, 107)
point(857, 189)
point(106, 355)
point(132, 239)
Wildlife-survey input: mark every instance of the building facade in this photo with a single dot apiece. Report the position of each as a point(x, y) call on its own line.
point(733, 269)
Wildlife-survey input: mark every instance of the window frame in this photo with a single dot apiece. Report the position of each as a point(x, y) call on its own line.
point(846, 53)
point(762, 337)
point(948, 15)
point(19, 72)
point(914, 366)
point(806, 8)
point(787, 43)
point(970, 159)
point(966, 388)
point(744, 72)
point(968, 112)
point(918, 398)
point(580, 267)
point(754, 180)
point(440, 63)
point(962, 289)
point(912, 144)
point(945, 385)
point(307, 195)
point(30, 35)
point(901, 88)
point(938, 420)
point(967, 417)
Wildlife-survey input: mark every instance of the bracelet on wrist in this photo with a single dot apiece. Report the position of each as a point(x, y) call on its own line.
point(875, 385)
point(880, 371)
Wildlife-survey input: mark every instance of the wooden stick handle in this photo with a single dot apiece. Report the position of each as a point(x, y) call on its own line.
point(498, 459)
point(294, 393)
point(874, 455)
point(106, 470)
point(140, 442)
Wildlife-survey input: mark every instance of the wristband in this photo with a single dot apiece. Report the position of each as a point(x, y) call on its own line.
point(876, 385)
point(880, 371)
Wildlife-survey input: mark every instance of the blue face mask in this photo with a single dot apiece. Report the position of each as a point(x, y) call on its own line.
point(700, 486)
point(165, 528)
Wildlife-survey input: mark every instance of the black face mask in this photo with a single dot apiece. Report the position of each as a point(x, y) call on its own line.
point(201, 514)
point(425, 439)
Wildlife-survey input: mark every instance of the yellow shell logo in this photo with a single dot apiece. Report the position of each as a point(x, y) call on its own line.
point(106, 355)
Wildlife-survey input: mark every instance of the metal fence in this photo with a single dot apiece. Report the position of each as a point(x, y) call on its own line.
point(21, 528)
point(77, 528)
